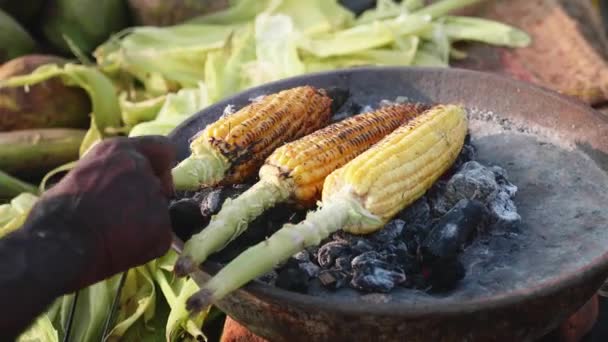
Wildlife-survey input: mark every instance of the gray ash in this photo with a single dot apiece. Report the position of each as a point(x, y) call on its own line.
point(420, 247)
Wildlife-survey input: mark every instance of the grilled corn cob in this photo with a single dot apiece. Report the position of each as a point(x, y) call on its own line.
point(232, 148)
point(360, 197)
point(295, 172)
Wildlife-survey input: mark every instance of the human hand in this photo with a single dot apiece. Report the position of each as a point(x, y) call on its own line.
point(113, 206)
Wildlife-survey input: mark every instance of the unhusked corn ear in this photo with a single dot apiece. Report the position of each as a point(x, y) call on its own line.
point(231, 149)
point(360, 197)
point(403, 166)
point(296, 172)
point(306, 162)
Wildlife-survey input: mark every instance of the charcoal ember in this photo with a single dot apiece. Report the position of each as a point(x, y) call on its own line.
point(406, 261)
point(269, 278)
point(413, 237)
point(302, 256)
point(503, 182)
point(334, 279)
point(443, 275)
point(373, 275)
point(212, 200)
point(343, 263)
point(450, 234)
point(186, 218)
point(416, 281)
point(292, 279)
point(309, 268)
point(360, 261)
point(472, 181)
point(503, 212)
point(417, 214)
point(362, 245)
point(467, 154)
point(389, 232)
point(328, 253)
point(347, 110)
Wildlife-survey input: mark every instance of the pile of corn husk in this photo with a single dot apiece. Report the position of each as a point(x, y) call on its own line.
point(147, 80)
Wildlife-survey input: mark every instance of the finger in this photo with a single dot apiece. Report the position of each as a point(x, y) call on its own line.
point(159, 151)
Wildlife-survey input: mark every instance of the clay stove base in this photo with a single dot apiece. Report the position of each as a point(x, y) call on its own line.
point(572, 330)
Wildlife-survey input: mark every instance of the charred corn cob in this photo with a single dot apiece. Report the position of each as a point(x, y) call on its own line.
point(295, 172)
point(360, 197)
point(232, 148)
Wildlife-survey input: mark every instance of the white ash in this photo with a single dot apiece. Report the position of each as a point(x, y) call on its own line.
point(487, 123)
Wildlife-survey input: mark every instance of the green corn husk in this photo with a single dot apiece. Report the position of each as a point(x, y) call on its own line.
point(82, 24)
point(13, 214)
point(15, 41)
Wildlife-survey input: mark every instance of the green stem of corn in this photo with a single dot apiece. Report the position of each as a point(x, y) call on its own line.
point(232, 220)
point(200, 168)
point(289, 240)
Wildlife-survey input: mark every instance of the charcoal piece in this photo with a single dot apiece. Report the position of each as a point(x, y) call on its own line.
point(371, 257)
point(468, 153)
point(409, 263)
point(361, 245)
point(186, 218)
point(310, 269)
point(389, 232)
point(347, 110)
point(416, 281)
point(443, 275)
point(334, 279)
point(503, 211)
point(373, 278)
point(417, 214)
point(503, 182)
point(330, 251)
point(269, 278)
point(343, 263)
point(413, 237)
point(472, 181)
point(292, 279)
point(449, 235)
point(212, 202)
point(302, 256)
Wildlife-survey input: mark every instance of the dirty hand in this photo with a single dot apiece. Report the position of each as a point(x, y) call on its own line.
point(113, 206)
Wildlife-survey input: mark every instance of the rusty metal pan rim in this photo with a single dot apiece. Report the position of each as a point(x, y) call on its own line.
point(446, 306)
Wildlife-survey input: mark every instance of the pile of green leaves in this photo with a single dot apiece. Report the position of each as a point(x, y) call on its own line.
point(147, 80)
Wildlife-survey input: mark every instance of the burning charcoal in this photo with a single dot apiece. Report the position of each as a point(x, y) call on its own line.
point(473, 181)
point(361, 245)
point(347, 110)
point(269, 278)
point(212, 202)
point(500, 175)
point(417, 214)
point(503, 211)
point(453, 231)
point(374, 278)
point(343, 263)
point(389, 232)
point(310, 269)
point(363, 259)
point(186, 218)
point(330, 251)
point(302, 256)
point(467, 154)
point(292, 279)
point(334, 279)
point(444, 275)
